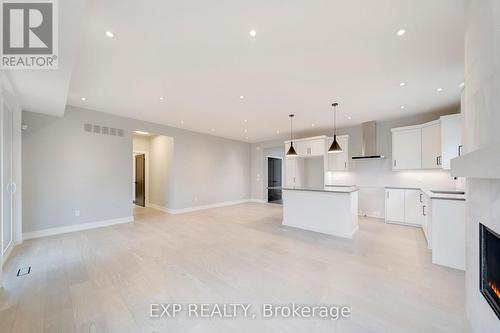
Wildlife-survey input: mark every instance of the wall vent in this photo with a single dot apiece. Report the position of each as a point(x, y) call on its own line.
point(24, 271)
point(87, 128)
point(103, 130)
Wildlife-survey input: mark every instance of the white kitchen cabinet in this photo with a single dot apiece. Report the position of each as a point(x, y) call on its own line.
point(294, 171)
point(451, 139)
point(406, 148)
point(395, 205)
point(447, 222)
point(339, 161)
point(309, 147)
point(403, 206)
point(426, 219)
point(413, 207)
point(431, 146)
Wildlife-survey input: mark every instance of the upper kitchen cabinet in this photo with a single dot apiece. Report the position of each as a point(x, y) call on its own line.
point(431, 145)
point(406, 148)
point(294, 172)
point(427, 146)
point(451, 139)
point(309, 147)
point(339, 161)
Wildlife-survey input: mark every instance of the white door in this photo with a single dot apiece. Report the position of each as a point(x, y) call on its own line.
point(8, 187)
point(451, 139)
point(407, 149)
point(395, 205)
point(431, 147)
point(413, 207)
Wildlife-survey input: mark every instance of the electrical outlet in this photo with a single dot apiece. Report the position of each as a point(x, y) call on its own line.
point(77, 213)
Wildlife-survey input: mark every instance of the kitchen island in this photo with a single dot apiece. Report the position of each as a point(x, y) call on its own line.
point(331, 210)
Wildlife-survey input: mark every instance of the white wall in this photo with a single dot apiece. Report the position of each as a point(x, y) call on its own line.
point(480, 102)
point(67, 169)
point(371, 175)
point(161, 185)
point(140, 143)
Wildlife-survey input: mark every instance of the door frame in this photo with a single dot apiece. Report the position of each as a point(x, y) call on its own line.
point(266, 180)
point(146, 176)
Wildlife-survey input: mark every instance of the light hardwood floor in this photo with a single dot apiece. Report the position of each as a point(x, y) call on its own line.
point(104, 280)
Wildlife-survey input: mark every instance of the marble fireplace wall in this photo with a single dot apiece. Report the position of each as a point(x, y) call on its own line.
point(481, 108)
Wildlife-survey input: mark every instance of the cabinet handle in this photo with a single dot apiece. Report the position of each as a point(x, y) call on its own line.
point(460, 150)
point(423, 210)
point(437, 160)
point(420, 197)
point(345, 165)
point(395, 162)
point(387, 194)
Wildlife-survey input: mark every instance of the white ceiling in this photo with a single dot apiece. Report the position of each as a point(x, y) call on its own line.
point(199, 55)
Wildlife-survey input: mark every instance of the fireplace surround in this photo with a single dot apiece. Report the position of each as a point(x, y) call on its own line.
point(489, 267)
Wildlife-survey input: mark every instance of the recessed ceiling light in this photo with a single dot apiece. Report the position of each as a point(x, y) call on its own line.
point(245, 130)
point(213, 129)
point(242, 97)
point(110, 34)
point(246, 137)
point(141, 132)
point(402, 84)
point(401, 32)
point(439, 89)
point(253, 33)
point(402, 107)
point(162, 98)
point(312, 125)
point(349, 117)
point(278, 132)
point(245, 121)
point(83, 99)
point(182, 122)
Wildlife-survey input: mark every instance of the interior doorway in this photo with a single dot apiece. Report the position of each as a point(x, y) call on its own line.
point(140, 180)
point(152, 165)
point(274, 182)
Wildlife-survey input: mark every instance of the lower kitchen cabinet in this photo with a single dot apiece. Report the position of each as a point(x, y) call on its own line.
point(426, 219)
point(395, 205)
point(403, 206)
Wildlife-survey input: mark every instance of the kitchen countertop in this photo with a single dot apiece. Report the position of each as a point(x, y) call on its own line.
point(443, 196)
point(432, 195)
point(332, 189)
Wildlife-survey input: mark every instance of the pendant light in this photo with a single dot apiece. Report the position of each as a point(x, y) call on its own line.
point(335, 147)
point(291, 151)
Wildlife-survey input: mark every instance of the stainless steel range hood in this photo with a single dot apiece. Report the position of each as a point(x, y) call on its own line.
point(369, 144)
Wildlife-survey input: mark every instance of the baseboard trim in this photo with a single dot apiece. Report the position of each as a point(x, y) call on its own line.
point(204, 207)
point(76, 227)
point(7, 253)
point(257, 200)
point(373, 216)
point(160, 208)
